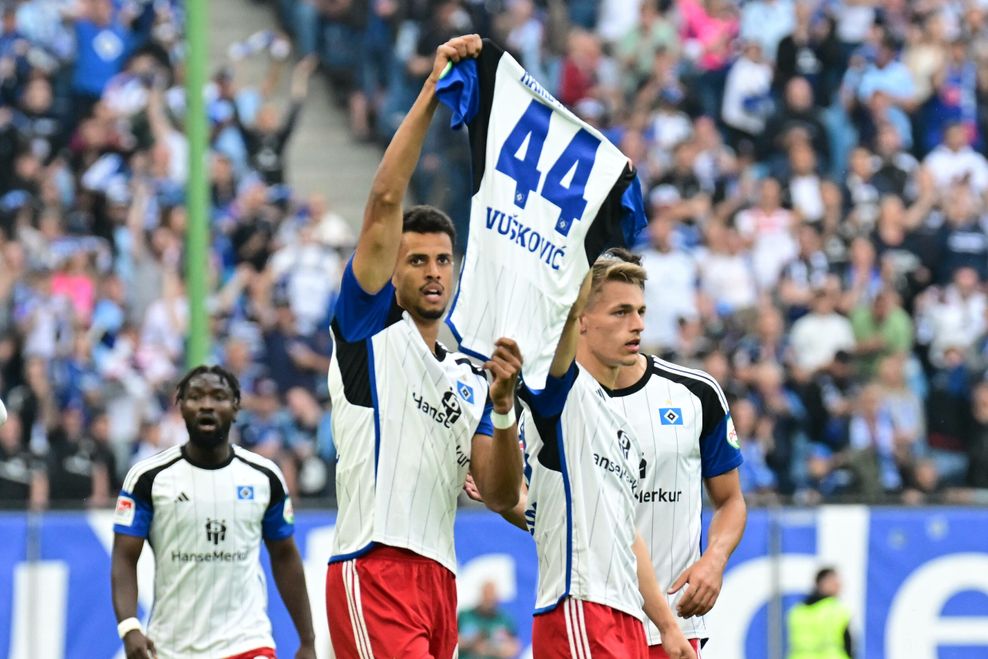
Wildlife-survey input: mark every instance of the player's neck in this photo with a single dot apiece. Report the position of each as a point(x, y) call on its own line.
point(429, 329)
point(629, 375)
point(208, 456)
point(604, 374)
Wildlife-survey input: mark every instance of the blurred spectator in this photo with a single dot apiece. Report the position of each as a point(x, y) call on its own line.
point(977, 472)
point(486, 632)
point(670, 290)
point(881, 329)
point(820, 334)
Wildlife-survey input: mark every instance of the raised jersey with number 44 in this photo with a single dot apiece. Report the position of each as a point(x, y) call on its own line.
point(550, 193)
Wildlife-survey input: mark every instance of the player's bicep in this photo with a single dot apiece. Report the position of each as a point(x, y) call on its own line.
point(377, 246)
point(126, 550)
point(724, 487)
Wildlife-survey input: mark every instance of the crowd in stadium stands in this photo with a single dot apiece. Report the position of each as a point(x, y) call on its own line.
point(815, 179)
point(816, 185)
point(93, 311)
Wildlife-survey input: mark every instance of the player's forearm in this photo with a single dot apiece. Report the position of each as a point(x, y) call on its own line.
point(726, 528)
point(656, 606)
point(123, 579)
point(402, 155)
point(516, 515)
point(289, 575)
point(499, 476)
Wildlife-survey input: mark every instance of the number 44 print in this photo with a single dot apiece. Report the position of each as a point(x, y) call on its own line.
point(578, 158)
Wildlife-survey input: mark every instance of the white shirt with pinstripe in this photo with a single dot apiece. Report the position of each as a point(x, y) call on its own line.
point(205, 526)
point(680, 416)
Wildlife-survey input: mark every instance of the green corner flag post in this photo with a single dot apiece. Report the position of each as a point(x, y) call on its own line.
point(197, 237)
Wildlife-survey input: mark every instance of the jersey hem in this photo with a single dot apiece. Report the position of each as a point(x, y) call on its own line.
point(338, 558)
point(125, 531)
point(638, 615)
point(421, 551)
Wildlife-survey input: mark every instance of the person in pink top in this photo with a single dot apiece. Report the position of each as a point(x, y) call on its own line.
point(708, 29)
point(75, 281)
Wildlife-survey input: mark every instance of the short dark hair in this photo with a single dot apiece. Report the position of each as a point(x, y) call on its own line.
point(222, 373)
point(824, 573)
point(428, 219)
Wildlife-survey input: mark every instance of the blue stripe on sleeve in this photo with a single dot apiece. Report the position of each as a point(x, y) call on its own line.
point(140, 525)
point(360, 314)
point(459, 90)
point(633, 220)
point(717, 456)
point(274, 526)
point(486, 425)
point(550, 401)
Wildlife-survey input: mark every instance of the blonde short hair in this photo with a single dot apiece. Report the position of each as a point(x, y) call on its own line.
point(617, 264)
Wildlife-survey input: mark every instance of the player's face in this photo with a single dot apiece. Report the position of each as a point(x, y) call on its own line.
point(208, 409)
point(612, 324)
point(424, 274)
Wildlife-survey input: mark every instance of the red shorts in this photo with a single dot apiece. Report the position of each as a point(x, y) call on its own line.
point(389, 603)
point(267, 653)
point(656, 651)
point(580, 630)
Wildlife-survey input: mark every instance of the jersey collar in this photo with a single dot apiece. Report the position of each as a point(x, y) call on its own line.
point(637, 386)
point(199, 465)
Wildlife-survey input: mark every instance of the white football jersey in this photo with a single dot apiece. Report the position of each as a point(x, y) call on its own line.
point(550, 193)
point(583, 466)
point(205, 526)
point(681, 418)
point(403, 423)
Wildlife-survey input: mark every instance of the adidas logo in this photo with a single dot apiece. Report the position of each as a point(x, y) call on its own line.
point(182, 497)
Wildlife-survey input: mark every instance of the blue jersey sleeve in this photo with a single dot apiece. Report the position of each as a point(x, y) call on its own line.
point(133, 515)
point(486, 426)
point(550, 401)
point(460, 91)
point(633, 220)
point(279, 519)
point(719, 449)
point(359, 314)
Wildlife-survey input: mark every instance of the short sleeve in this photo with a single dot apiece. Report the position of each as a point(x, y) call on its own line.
point(133, 514)
point(279, 519)
point(359, 314)
point(549, 402)
point(460, 91)
point(633, 220)
point(719, 448)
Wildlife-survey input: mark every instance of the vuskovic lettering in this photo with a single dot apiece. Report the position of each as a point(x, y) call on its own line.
point(526, 238)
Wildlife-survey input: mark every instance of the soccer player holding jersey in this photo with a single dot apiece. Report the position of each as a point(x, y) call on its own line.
point(204, 508)
point(410, 419)
point(682, 421)
point(584, 465)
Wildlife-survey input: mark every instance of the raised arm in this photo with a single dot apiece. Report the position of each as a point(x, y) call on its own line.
point(570, 338)
point(495, 461)
point(657, 607)
point(380, 235)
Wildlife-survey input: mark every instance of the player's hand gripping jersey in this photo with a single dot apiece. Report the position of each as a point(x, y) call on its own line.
point(549, 194)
